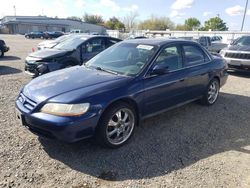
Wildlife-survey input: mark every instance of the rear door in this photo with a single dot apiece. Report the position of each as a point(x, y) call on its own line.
point(92, 47)
point(196, 63)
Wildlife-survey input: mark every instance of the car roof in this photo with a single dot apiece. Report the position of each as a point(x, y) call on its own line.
point(158, 42)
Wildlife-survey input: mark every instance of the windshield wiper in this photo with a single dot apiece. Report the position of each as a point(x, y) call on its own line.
point(105, 70)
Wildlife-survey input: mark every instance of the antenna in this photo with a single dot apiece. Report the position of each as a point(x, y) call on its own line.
point(244, 16)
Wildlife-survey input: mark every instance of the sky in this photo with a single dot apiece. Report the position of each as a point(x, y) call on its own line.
point(231, 11)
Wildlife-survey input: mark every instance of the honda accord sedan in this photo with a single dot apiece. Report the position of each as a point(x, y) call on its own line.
point(75, 50)
point(110, 95)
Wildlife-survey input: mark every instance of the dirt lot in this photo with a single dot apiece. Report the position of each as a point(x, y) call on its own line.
point(192, 146)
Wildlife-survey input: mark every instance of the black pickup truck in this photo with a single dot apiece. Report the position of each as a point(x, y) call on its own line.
point(3, 48)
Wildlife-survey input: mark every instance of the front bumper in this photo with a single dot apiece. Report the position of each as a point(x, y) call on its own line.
point(31, 69)
point(66, 129)
point(238, 63)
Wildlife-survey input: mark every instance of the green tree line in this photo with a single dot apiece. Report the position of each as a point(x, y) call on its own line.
point(153, 23)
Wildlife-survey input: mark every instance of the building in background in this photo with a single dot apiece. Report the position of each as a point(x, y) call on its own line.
point(26, 24)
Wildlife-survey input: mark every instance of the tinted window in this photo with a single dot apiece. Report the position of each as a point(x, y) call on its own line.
point(170, 57)
point(95, 45)
point(111, 42)
point(194, 55)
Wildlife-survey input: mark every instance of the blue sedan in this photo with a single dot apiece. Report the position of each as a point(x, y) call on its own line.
point(109, 95)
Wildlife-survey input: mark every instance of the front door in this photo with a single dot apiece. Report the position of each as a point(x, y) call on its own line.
point(164, 91)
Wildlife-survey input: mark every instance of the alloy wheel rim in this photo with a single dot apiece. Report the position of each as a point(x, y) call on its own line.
point(213, 92)
point(120, 126)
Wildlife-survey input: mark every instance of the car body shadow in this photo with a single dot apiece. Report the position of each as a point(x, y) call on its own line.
point(240, 73)
point(167, 142)
point(5, 70)
point(9, 58)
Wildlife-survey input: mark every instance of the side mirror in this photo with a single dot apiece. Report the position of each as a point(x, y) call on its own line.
point(159, 70)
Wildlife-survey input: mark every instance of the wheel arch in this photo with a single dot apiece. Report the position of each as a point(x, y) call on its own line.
point(126, 100)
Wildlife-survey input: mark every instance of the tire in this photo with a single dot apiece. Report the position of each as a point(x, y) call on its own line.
point(119, 120)
point(212, 93)
point(1, 53)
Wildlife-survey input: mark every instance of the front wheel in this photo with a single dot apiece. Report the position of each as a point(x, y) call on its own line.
point(116, 126)
point(212, 93)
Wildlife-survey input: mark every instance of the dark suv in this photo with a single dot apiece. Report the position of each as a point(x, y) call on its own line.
point(76, 50)
point(3, 48)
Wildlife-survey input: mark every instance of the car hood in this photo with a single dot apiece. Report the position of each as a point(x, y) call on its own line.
point(239, 48)
point(48, 53)
point(67, 80)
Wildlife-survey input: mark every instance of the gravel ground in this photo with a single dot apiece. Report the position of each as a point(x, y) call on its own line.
point(192, 146)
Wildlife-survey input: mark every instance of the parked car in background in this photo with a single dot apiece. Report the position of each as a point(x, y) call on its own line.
point(3, 48)
point(109, 95)
point(54, 34)
point(216, 38)
point(76, 50)
point(237, 54)
point(206, 42)
point(37, 34)
point(52, 43)
point(136, 37)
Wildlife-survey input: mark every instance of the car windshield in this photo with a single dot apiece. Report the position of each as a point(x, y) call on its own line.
point(71, 43)
point(123, 58)
point(243, 41)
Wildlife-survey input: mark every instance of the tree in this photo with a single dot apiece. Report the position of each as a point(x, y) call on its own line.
point(115, 24)
point(93, 19)
point(181, 27)
point(192, 24)
point(74, 18)
point(157, 23)
point(130, 20)
point(215, 24)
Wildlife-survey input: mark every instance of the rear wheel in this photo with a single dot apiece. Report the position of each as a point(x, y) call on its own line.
point(212, 93)
point(116, 126)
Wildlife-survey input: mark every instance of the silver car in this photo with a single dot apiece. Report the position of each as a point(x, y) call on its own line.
point(237, 54)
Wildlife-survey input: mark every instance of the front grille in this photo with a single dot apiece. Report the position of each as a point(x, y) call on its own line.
point(238, 55)
point(31, 67)
point(27, 103)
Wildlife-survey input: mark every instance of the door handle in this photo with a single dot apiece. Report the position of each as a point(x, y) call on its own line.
point(182, 80)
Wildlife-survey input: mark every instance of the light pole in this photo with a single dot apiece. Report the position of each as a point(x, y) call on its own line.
point(244, 16)
point(14, 7)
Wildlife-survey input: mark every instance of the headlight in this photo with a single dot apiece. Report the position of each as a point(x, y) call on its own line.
point(65, 109)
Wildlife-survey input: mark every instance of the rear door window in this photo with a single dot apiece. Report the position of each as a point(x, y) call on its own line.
point(194, 55)
point(95, 45)
point(111, 42)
